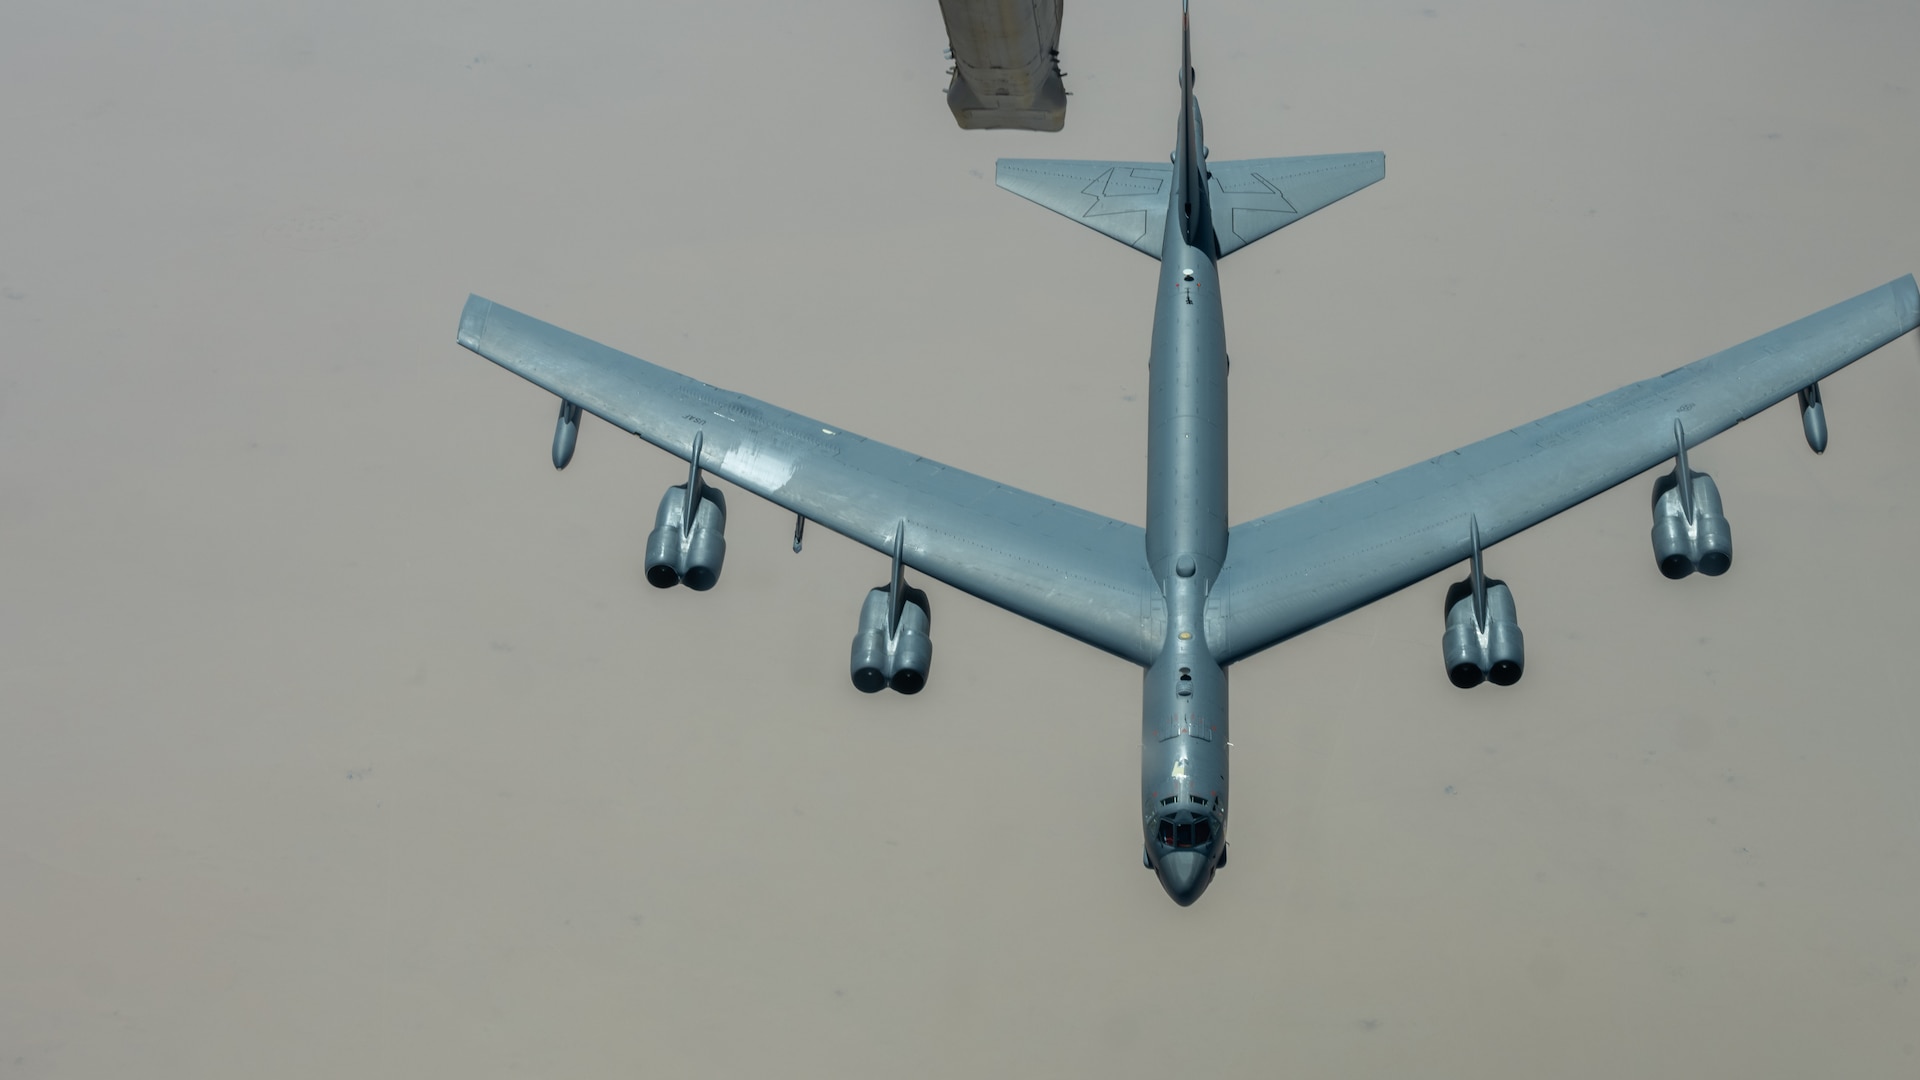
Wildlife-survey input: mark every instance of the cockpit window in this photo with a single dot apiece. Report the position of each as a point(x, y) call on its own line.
point(1187, 834)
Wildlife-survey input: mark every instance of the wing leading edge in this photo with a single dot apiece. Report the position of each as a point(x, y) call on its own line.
point(1064, 568)
point(1291, 571)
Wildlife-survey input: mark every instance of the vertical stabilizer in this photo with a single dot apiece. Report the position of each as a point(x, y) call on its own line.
point(1221, 208)
point(1189, 198)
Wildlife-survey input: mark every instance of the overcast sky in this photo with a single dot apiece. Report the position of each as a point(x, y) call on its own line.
point(343, 736)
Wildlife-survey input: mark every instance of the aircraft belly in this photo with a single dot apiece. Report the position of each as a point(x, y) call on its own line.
point(1183, 746)
point(1005, 69)
point(1187, 420)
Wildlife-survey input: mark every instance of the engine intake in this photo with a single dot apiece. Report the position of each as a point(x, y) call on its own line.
point(892, 646)
point(892, 650)
point(681, 555)
point(1482, 646)
point(1690, 530)
point(1482, 642)
point(689, 538)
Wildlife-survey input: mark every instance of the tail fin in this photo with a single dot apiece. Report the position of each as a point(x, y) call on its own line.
point(1127, 200)
point(1241, 201)
point(1191, 190)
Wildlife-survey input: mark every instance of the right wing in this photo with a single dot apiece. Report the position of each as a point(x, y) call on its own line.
point(1076, 572)
point(1291, 571)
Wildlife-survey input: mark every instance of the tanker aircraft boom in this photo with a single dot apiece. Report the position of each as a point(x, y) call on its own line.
point(1187, 595)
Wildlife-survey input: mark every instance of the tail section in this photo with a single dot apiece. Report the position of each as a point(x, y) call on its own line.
point(1128, 200)
point(1222, 208)
point(1252, 199)
point(1190, 190)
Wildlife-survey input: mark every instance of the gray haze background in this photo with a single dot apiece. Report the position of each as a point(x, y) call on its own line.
point(343, 737)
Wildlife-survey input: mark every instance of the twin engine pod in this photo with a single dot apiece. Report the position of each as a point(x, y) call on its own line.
point(1482, 642)
point(892, 646)
point(688, 542)
point(679, 555)
point(1690, 530)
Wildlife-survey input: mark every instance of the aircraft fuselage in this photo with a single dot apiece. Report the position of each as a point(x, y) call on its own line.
point(1183, 736)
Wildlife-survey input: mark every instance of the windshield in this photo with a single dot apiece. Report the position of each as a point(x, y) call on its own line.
point(1185, 834)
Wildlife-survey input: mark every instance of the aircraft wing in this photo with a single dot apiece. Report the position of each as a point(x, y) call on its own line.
point(1072, 571)
point(1291, 571)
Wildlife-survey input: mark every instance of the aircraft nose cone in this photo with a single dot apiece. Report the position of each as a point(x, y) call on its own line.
point(1185, 875)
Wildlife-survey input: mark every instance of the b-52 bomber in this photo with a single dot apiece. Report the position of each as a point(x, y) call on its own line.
point(1187, 596)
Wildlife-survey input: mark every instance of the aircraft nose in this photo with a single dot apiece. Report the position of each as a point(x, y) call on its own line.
point(1185, 875)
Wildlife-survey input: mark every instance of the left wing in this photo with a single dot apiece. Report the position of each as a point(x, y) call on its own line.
point(1073, 571)
point(1291, 571)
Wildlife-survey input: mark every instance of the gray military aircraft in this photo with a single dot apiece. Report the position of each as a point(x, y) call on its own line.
point(1006, 64)
point(1187, 596)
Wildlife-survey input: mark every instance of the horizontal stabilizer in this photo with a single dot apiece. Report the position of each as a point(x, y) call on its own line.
point(1126, 200)
point(1254, 198)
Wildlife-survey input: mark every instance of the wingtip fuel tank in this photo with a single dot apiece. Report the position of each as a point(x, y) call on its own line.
point(566, 432)
point(1813, 418)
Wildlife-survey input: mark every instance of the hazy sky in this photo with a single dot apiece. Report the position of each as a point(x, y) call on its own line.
point(344, 738)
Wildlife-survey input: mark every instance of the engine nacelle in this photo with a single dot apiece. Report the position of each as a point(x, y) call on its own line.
point(893, 650)
point(683, 554)
point(1478, 650)
point(1684, 542)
